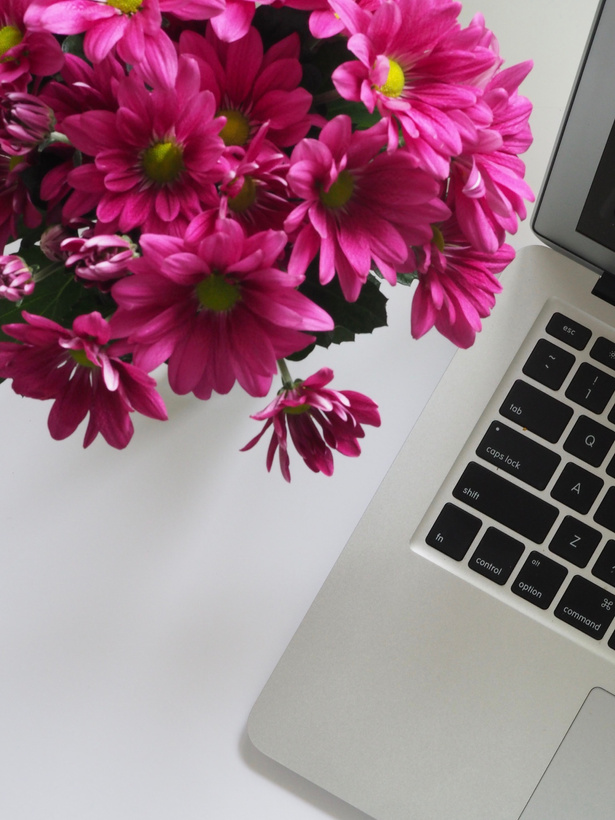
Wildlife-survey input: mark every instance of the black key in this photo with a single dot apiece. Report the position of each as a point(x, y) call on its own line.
point(587, 607)
point(505, 502)
point(604, 568)
point(566, 330)
point(603, 351)
point(496, 556)
point(575, 541)
point(610, 469)
point(589, 441)
point(605, 514)
point(549, 364)
point(577, 488)
point(518, 455)
point(535, 410)
point(453, 531)
point(591, 388)
point(539, 580)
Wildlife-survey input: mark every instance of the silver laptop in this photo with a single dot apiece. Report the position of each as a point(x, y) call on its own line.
point(459, 661)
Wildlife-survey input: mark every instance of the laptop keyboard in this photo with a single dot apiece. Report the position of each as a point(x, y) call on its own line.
point(530, 506)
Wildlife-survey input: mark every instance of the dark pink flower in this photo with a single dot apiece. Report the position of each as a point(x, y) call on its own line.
point(25, 122)
point(419, 69)
point(98, 258)
point(133, 27)
point(155, 158)
point(15, 278)
point(78, 369)
point(456, 285)
point(319, 420)
point(252, 86)
point(359, 204)
point(23, 50)
point(217, 308)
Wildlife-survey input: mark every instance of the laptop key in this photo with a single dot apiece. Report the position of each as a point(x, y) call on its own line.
point(591, 388)
point(605, 514)
point(575, 541)
point(549, 364)
point(518, 455)
point(589, 441)
point(453, 531)
point(587, 607)
point(566, 330)
point(505, 502)
point(604, 568)
point(539, 580)
point(496, 556)
point(534, 410)
point(577, 488)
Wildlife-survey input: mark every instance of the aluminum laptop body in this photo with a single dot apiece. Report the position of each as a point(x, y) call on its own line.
point(459, 661)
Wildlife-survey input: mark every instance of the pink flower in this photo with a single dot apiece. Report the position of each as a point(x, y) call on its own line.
point(23, 51)
point(15, 278)
point(25, 122)
point(252, 87)
point(78, 369)
point(419, 69)
point(486, 189)
point(155, 158)
point(319, 420)
point(456, 285)
point(218, 309)
point(133, 27)
point(359, 204)
point(100, 259)
point(15, 201)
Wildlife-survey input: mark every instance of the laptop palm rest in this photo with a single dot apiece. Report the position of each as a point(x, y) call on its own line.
point(579, 781)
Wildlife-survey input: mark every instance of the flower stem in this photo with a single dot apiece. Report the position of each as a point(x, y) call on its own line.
point(287, 380)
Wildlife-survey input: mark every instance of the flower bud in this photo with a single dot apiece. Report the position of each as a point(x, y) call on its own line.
point(25, 122)
point(15, 278)
point(99, 259)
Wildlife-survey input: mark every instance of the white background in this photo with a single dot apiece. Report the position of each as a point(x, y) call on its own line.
point(146, 595)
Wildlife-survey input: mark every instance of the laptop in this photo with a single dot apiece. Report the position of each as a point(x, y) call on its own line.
point(459, 661)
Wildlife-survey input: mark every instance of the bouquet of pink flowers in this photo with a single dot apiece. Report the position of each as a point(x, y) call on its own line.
point(221, 185)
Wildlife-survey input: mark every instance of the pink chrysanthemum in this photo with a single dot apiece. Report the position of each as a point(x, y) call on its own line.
point(15, 278)
point(319, 420)
point(23, 51)
point(133, 27)
point(219, 310)
point(155, 158)
point(98, 258)
point(419, 69)
point(456, 285)
point(359, 204)
point(487, 190)
point(252, 87)
point(15, 201)
point(78, 369)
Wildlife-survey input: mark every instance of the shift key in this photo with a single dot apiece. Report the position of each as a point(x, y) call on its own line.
point(505, 502)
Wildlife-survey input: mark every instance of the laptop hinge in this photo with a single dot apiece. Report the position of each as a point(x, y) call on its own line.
point(605, 287)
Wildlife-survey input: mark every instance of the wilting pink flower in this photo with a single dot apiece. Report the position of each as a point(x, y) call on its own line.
point(487, 190)
point(15, 278)
point(80, 371)
point(456, 285)
point(319, 419)
point(252, 86)
point(218, 309)
point(133, 27)
point(155, 158)
point(359, 204)
point(24, 51)
point(15, 201)
point(25, 122)
point(100, 258)
point(419, 69)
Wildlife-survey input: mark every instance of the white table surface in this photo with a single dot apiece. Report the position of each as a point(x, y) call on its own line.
point(146, 595)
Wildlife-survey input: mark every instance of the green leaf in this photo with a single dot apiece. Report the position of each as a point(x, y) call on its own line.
point(407, 278)
point(350, 318)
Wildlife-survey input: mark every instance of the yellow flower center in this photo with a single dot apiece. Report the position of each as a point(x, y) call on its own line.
point(9, 36)
point(340, 191)
point(162, 162)
point(81, 357)
point(14, 162)
point(237, 128)
point(217, 293)
point(297, 410)
point(395, 81)
point(245, 198)
point(125, 6)
point(438, 238)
